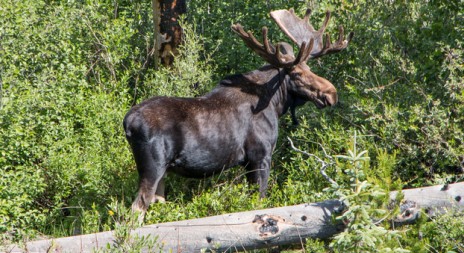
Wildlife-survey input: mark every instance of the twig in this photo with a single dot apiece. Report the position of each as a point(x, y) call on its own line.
point(324, 164)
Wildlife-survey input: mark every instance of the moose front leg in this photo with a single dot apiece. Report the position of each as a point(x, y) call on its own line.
point(293, 115)
point(159, 195)
point(258, 173)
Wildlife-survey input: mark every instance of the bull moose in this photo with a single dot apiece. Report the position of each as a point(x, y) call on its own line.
point(237, 122)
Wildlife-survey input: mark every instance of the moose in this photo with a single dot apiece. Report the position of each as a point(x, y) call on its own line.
point(237, 122)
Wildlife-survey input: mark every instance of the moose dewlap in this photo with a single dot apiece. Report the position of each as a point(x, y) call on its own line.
point(237, 122)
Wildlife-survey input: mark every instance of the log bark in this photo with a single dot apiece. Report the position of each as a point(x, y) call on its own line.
point(167, 31)
point(259, 228)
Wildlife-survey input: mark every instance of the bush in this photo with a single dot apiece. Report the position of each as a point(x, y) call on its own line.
point(64, 93)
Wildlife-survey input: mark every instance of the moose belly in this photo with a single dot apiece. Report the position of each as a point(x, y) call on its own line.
point(204, 162)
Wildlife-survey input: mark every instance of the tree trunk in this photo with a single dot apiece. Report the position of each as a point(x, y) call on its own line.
point(259, 228)
point(167, 31)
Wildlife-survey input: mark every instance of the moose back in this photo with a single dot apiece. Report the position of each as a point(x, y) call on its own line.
point(237, 122)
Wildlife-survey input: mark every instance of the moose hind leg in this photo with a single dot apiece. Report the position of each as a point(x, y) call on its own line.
point(147, 193)
point(151, 167)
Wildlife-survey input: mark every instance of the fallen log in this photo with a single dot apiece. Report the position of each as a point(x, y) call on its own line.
point(257, 229)
point(432, 201)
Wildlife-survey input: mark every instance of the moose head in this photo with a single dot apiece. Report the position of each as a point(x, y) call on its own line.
point(305, 85)
point(237, 122)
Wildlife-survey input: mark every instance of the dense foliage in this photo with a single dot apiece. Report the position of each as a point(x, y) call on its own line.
point(70, 70)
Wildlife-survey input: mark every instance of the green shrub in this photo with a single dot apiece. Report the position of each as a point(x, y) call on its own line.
point(63, 147)
point(365, 204)
point(190, 75)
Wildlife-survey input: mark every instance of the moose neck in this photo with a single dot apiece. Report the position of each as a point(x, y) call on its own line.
point(268, 85)
point(278, 88)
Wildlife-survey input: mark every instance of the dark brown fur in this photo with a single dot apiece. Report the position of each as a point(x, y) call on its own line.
point(234, 124)
point(237, 122)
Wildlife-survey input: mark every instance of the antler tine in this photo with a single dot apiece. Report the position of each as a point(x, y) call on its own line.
point(308, 51)
point(305, 51)
point(328, 43)
point(326, 22)
point(302, 52)
point(330, 48)
point(307, 14)
point(269, 48)
point(339, 45)
point(237, 28)
point(341, 35)
point(246, 36)
point(253, 39)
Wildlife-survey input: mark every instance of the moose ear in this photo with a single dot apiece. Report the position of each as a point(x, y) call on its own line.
point(286, 50)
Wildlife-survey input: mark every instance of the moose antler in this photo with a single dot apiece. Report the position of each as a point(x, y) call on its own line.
point(301, 31)
point(280, 55)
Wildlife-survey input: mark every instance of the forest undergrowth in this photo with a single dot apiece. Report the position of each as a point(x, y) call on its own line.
point(70, 70)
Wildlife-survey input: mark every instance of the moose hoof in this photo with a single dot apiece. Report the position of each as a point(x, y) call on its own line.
point(159, 199)
point(139, 213)
point(136, 208)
